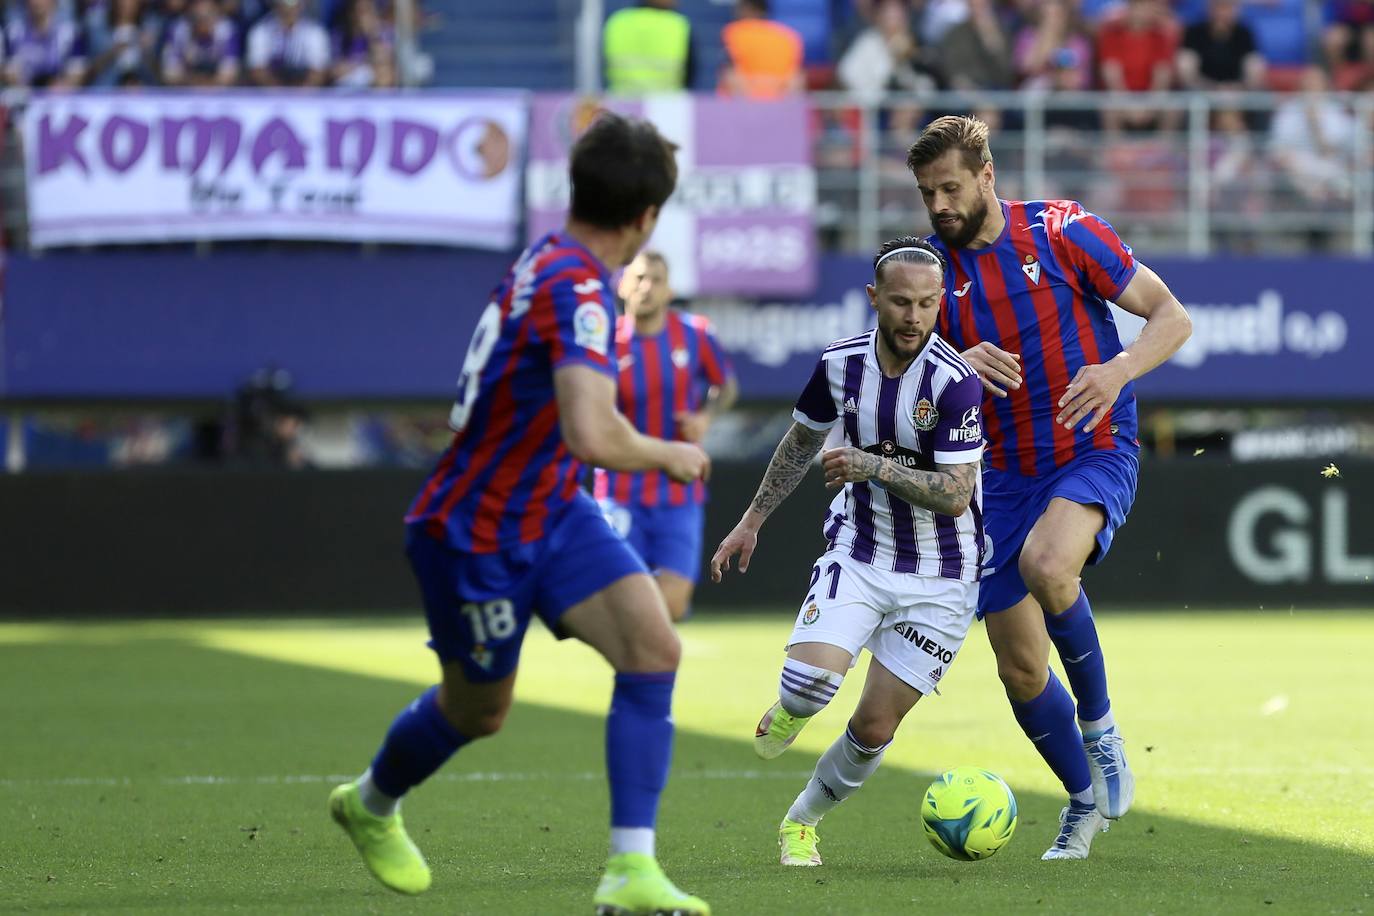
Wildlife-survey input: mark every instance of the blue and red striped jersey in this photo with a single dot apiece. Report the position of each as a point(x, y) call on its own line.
point(1041, 290)
point(508, 475)
point(662, 375)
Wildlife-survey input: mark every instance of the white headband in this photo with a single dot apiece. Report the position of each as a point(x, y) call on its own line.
point(923, 251)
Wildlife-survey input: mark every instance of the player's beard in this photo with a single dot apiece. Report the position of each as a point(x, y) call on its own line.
point(899, 348)
point(964, 231)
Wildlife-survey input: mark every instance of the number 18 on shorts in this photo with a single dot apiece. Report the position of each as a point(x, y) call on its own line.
point(914, 625)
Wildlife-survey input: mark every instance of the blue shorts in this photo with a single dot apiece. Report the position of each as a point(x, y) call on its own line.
point(1012, 504)
point(666, 538)
point(479, 605)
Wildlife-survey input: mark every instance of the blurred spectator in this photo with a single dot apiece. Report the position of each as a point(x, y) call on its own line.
point(648, 48)
point(1072, 162)
point(364, 48)
point(860, 18)
point(1220, 52)
point(1052, 51)
point(268, 425)
point(976, 53)
point(1312, 141)
point(287, 49)
point(1066, 75)
point(764, 58)
point(44, 49)
point(121, 37)
point(1135, 53)
point(202, 48)
point(887, 57)
point(938, 17)
point(1234, 167)
point(1349, 41)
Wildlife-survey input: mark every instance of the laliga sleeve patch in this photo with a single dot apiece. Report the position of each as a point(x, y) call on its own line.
point(591, 328)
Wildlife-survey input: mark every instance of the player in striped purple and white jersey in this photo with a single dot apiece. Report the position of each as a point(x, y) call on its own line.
point(905, 535)
point(927, 416)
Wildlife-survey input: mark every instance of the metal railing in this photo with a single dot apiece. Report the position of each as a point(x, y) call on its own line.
point(1216, 172)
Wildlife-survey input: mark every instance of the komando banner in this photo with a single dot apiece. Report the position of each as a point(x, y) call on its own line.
point(436, 168)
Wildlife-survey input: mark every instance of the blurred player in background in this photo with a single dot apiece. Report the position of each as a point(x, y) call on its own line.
point(905, 533)
point(674, 378)
point(502, 531)
point(1030, 282)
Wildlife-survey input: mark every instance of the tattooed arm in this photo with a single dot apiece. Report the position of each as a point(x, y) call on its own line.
point(791, 459)
point(946, 490)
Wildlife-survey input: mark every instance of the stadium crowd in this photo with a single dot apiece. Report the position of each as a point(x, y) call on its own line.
point(66, 44)
point(1297, 155)
point(774, 47)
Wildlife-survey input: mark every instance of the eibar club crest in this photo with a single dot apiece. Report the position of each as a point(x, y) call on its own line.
point(925, 416)
point(1031, 269)
point(812, 614)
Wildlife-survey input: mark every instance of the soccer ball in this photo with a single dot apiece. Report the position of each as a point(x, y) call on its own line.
point(968, 813)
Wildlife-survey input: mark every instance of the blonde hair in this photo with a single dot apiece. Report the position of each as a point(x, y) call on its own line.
point(968, 135)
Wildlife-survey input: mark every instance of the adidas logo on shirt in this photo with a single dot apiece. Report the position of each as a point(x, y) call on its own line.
point(851, 405)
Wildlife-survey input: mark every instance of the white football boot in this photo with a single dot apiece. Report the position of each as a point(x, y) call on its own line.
point(1113, 781)
point(1078, 824)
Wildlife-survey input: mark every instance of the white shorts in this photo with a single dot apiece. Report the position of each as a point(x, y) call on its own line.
point(913, 624)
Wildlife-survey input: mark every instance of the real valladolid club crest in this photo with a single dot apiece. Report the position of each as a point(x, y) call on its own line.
point(925, 416)
point(812, 614)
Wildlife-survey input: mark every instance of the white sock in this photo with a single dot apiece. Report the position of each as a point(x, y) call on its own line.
point(804, 689)
point(840, 772)
point(1083, 798)
point(632, 839)
point(374, 799)
point(1097, 727)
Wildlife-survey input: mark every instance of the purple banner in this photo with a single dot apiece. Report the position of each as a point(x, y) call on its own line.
point(440, 168)
point(740, 222)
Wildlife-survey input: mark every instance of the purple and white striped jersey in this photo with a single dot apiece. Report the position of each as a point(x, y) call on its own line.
point(929, 416)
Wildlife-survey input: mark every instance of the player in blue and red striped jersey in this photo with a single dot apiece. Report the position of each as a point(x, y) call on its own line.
point(674, 378)
point(1030, 282)
point(501, 530)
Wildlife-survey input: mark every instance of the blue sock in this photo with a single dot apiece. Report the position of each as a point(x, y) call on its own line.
point(1048, 721)
point(1075, 636)
point(418, 743)
point(639, 746)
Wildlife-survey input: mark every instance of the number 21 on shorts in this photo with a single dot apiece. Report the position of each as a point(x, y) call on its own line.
point(833, 571)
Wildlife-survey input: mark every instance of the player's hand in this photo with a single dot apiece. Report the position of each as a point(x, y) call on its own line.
point(848, 465)
point(692, 426)
point(998, 370)
point(1091, 394)
point(742, 540)
point(686, 462)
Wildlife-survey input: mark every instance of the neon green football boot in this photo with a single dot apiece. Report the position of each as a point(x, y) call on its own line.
point(382, 841)
point(797, 843)
point(635, 885)
point(776, 731)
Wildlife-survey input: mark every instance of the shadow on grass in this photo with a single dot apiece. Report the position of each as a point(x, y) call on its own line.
point(156, 775)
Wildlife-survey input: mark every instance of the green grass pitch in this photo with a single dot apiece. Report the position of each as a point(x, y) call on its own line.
point(183, 767)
